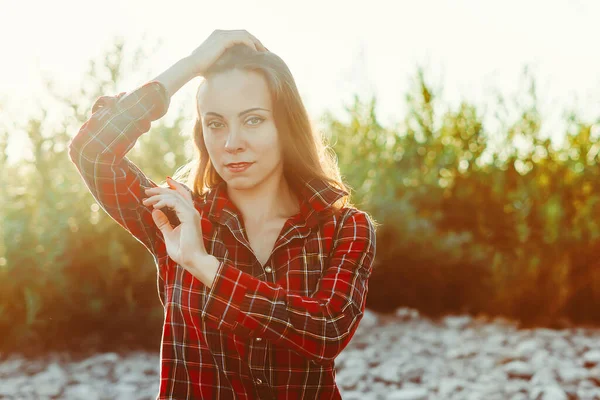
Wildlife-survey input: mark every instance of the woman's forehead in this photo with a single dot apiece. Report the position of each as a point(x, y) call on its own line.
point(233, 91)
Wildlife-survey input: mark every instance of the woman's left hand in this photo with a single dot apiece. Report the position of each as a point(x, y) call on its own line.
point(184, 243)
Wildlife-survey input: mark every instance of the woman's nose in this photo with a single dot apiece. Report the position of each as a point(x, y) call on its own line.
point(234, 142)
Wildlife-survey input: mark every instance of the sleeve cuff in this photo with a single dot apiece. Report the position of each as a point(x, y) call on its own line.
point(224, 299)
point(163, 95)
point(152, 95)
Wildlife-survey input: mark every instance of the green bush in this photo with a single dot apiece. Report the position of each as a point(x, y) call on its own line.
point(474, 222)
point(470, 222)
point(70, 277)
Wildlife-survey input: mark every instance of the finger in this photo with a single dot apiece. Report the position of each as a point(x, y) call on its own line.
point(261, 47)
point(184, 209)
point(250, 43)
point(160, 190)
point(258, 43)
point(171, 199)
point(161, 221)
point(155, 190)
point(242, 36)
point(147, 189)
point(180, 188)
point(155, 198)
point(148, 201)
point(166, 202)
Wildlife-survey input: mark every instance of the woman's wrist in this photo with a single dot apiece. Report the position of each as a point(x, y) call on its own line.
point(177, 75)
point(204, 267)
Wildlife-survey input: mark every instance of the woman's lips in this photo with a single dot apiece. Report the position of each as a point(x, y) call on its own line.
point(239, 167)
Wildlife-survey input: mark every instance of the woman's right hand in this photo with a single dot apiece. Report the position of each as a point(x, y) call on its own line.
point(216, 44)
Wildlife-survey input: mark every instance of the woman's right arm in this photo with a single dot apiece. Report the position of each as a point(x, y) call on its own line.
point(99, 148)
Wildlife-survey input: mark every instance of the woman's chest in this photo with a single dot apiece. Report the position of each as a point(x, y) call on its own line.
point(296, 262)
point(262, 237)
point(294, 259)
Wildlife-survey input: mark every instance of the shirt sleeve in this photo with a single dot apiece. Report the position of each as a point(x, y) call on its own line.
point(98, 152)
point(317, 327)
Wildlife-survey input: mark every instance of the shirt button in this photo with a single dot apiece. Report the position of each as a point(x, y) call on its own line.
point(268, 269)
point(258, 380)
point(258, 339)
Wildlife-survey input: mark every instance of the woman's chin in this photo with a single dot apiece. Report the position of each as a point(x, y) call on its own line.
point(240, 182)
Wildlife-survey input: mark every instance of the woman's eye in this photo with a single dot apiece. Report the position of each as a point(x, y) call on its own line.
point(213, 122)
point(257, 119)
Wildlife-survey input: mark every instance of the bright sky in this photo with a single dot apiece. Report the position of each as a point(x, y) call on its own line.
point(333, 48)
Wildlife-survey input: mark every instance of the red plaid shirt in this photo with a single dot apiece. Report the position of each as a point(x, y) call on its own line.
point(268, 332)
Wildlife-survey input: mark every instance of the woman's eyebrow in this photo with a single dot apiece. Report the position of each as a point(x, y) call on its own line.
point(239, 115)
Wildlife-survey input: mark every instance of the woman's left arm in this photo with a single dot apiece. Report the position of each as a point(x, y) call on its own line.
point(318, 327)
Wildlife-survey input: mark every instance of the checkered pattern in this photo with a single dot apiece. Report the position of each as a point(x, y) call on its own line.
point(261, 331)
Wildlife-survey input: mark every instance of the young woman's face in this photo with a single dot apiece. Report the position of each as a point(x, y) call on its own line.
point(238, 126)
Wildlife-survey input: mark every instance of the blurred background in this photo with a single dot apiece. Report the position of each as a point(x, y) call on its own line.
point(470, 130)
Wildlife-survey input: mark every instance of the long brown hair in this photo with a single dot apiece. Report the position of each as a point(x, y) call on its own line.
point(305, 153)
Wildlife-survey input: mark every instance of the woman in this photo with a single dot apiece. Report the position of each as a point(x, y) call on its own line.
point(263, 264)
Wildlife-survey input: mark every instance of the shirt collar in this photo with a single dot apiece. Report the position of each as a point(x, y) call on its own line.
point(317, 196)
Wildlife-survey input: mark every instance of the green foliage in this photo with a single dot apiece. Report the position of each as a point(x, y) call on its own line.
point(66, 268)
point(501, 224)
point(470, 221)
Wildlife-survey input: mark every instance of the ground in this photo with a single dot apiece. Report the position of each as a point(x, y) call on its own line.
point(402, 356)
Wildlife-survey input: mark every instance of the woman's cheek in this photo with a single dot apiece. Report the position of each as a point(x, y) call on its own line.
point(267, 139)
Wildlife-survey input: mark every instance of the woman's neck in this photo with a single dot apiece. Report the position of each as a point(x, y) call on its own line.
point(272, 199)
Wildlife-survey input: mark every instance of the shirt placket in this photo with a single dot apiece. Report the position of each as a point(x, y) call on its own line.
point(257, 354)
